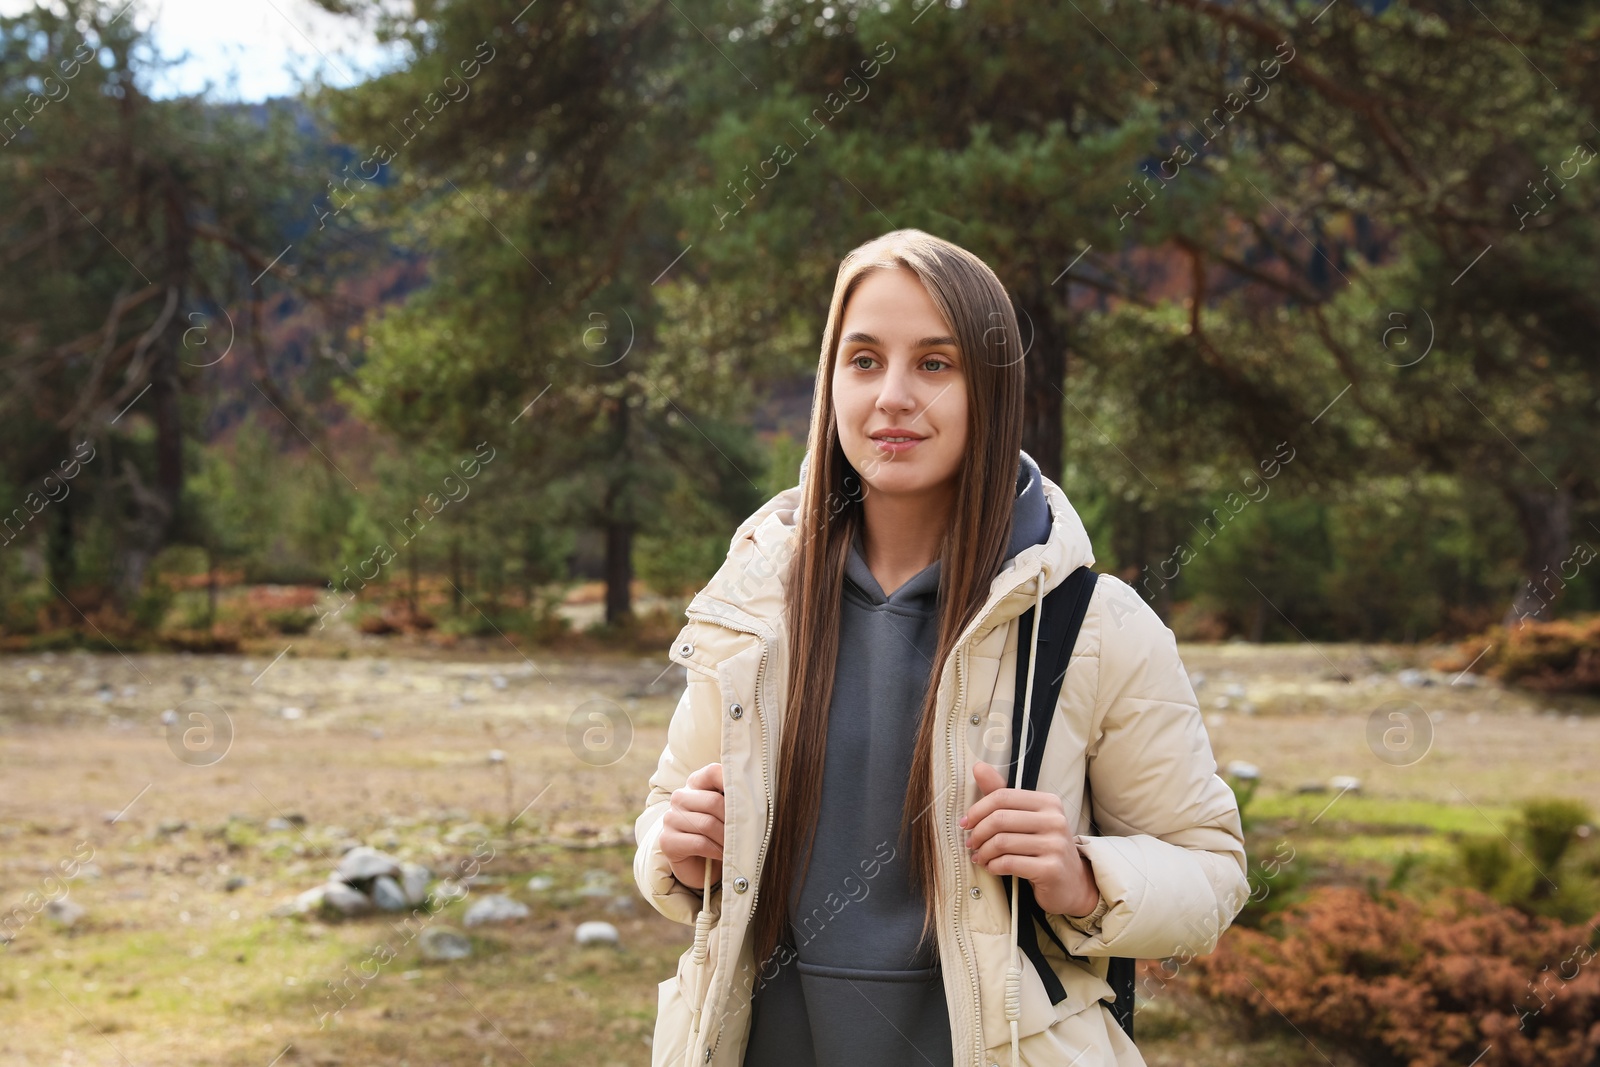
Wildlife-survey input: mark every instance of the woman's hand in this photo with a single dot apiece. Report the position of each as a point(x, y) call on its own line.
point(1024, 833)
point(692, 827)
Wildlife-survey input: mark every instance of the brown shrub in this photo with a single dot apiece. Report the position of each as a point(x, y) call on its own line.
point(1419, 985)
point(1561, 655)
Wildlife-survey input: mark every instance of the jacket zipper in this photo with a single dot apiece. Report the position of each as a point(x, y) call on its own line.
point(766, 782)
point(960, 879)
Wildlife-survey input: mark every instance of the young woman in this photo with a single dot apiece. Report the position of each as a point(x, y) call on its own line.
point(831, 809)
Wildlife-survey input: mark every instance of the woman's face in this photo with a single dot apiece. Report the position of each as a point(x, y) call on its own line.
point(899, 373)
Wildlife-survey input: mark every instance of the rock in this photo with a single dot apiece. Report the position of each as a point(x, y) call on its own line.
point(1240, 769)
point(293, 713)
point(1234, 689)
point(498, 908)
point(1220, 702)
point(303, 904)
point(498, 681)
point(1345, 783)
point(169, 717)
point(65, 911)
point(1197, 679)
point(387, 894)
point(345, 900)
point(1412, 678)
point(366, 862)
point(449, 890)
point(1468, 679)
point(234, 884)
point(1311, 788)
point(171, 826)
point(276, 823)
point(296, 818)
point(622, 904)
point(440, 943)
point(539, 883)
point(597, 933)
point(414, 879)
point(36, 675)
point(497, 755)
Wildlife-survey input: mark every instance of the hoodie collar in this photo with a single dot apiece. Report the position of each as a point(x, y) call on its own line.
point(748, 591)
point(1030, 524)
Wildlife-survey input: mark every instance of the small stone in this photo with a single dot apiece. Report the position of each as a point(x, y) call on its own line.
point(496, 755)
point(495, 909)
point(293, 713)
point(234, 884)
point(169, 717)
point(171, 826)
point(64, 911)
point(597, 933)
point(1220, 702)
point(539, 883)
point(387, 894)
point(414, 879)
point(1412, 678)
point(498, 681)
point(1197, 679)
point(1234, 689)
point(622, 904)
point(364, 861)
point(345, 900)
point(1345, 783)
point(449, 890)
point(439, 944)
point(276, 823)
point(1310, 788)
point(303, 904)
point(1240, 769)
point(35, 674)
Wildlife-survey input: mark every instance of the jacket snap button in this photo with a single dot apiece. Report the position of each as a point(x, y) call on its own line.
point(741, 884)
point(974, 719)
point(708, 1057)
point(736, 711)
point(976, 891)
point(686, 649)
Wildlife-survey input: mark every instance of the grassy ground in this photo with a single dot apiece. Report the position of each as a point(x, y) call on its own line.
point(172, 966)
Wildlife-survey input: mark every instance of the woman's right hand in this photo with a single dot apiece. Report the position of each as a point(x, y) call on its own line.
point(692, 828)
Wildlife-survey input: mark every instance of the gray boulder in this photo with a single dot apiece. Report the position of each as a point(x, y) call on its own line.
point(440, 943)
point(498, 908)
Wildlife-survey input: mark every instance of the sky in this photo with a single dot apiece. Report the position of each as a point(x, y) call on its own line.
point(249, 50)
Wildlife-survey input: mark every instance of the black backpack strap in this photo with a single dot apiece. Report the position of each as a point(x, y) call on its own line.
point(1064, 610)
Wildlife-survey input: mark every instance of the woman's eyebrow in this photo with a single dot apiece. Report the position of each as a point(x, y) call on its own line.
point(869, 339)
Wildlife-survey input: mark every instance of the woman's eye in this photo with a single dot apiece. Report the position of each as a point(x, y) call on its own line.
point(855, 361)
point(935, 360)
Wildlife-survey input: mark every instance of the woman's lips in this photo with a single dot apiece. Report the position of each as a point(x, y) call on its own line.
point(897, 446)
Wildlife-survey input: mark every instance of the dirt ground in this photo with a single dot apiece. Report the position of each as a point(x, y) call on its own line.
point(542, 762)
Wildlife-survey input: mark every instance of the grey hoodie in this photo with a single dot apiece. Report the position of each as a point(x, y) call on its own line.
point(859, 989)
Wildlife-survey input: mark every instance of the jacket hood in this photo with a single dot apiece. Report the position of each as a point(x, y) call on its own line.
point(749, 589)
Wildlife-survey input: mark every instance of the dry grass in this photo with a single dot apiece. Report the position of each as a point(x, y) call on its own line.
point(169, 967)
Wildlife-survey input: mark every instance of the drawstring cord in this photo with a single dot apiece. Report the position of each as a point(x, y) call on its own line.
point(702, 938)
point(1014, 975)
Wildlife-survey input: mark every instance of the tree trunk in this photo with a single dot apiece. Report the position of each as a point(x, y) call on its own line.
point(619, 524)
point(1045, 367)
point(1546, 521)
point(60, 558)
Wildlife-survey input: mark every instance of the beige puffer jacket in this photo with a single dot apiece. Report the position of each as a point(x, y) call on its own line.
point(1128, 733)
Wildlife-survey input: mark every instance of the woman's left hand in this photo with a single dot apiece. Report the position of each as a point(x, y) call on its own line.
point(1024, 833)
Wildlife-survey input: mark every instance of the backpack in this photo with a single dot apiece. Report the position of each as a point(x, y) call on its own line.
point(1064, 609)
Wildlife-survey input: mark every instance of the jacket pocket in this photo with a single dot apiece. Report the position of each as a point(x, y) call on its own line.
point(887, 1018)
point(670, 1044)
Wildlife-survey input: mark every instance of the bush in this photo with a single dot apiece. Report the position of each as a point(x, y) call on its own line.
point(1407, 984)
point(1538, 867)
point(1558, 656)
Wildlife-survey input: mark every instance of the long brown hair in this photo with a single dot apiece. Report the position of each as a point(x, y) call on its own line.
point(979, 313)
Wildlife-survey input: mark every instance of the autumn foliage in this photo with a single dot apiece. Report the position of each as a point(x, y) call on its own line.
point(1419, 984)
